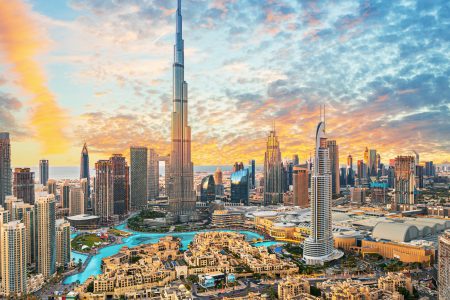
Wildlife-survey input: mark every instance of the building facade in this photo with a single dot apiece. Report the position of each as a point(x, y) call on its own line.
point(14, 259)
point(45, 235)
point(273, 187)
point(153, 175)
point(120, 184)
point(5, 167)
point(138, 177)
point(43, 171)
point(301, 183)
point(207, 189)
point(23, 186)
point(333, 152)
point(84, 167)
point(444, 266)
point(240, 186)
point(404, 182)
point(103, 194)
point(76, 201)
point(62, 242)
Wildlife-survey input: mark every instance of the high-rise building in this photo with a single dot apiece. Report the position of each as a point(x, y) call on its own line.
point(153, 175)
point(45, 235)
point(366, 156)
point(319, 247)
point(23, 186)
point(181, 179)
point(76, 201)
point(43, 171)
point(343, 177)
point(350, 173)
point(62, 242)
point(333, 150)
point(218, 176)
point(85, 188)
point(238, 166)
point(419, 176)
point(103, 195)
point(240, 186)
point(300, 186)
point(207, 189)
point(295, 160)
point(5, 217)
point(252, 169)
point(404, 182)
point(14, 259)
point(138, 177)
point(51, 186)
point(84, 167)
point(373, 168)
point(24, 213)
point(444, 266)
point(5, 167)
point(430, 170)
point(273, 186)
point(65, 194)
point(120, 184)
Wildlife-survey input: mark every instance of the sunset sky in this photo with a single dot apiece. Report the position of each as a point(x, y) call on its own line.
point(100, 71)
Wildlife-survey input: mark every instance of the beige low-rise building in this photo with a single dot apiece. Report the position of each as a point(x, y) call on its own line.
point(292, 287)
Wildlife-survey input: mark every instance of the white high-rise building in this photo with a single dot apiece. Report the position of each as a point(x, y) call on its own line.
point(14, 259)
point(62, 242)
point(181, 179)
point(76, 201)
point(319, 246)
point(45, 235)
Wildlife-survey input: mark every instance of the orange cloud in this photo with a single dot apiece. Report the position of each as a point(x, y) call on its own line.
point(21, 43)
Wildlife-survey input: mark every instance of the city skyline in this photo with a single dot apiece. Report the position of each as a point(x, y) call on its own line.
point(124, 78)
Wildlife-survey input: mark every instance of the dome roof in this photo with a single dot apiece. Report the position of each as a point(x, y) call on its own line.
point(398, 232)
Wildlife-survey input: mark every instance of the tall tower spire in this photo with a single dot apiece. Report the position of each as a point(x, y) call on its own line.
point(181, 180)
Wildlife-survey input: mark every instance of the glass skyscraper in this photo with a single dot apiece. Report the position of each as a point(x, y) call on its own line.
point(5, 167)
point(240, 185)
point(84, 167)
point(43, 171)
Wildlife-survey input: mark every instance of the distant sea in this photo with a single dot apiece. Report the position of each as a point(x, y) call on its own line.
point(59, 173)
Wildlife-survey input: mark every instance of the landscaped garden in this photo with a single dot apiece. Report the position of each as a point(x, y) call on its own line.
point(85, 242)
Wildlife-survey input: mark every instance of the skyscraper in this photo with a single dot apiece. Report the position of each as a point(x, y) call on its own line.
point(404, 182)
point(84, 167)
point(295, 160)
point(62, 242)
point(319, 247)
point(14, 259)
point(181, 180)
point(220, 189)
point(76, 201)
point(23, 186)
point(207, 189)
point(45, 235)
point(103, 195)
point(333, 150)
point(429, 169)
point(138, 177)
point(301, 177)
point(51, 186)
point(366, 157)
point(273, 187)
point(24, 213)
point(120, 184)
point(350, 180)
point(444, 266)
point(240, 185)
point(373, 168)
point(84, 187)
point(5, 217)
point(5, 167)
point(153, 175)
point(252, 167)
point(43, 171)
point(65, 194)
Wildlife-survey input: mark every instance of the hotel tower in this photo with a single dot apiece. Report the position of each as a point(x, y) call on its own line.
point(181, 179)
point(318, 247)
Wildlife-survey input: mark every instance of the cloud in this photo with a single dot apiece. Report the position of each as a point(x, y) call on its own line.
point(21, 43)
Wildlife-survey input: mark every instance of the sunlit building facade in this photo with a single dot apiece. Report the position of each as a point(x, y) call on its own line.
point(404, 182)
point(23, 185)
point(444, 266)
point(138, 177)
point(45, 235)
point(5, 167)
point(333, 152)
point(240, 186)
point(273, 186)
point(207, 189)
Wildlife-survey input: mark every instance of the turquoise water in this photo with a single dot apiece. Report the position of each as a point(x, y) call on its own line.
point(266, 244)
point(138, 238)
point(77, 256)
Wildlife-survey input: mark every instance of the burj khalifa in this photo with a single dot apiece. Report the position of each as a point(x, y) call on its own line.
point(181, 179)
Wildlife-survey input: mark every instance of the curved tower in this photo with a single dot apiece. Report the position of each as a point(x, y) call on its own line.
point(181, 180)
point(318, 247)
